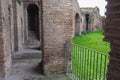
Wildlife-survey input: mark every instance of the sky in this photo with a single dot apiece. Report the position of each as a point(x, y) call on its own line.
point(92, 3)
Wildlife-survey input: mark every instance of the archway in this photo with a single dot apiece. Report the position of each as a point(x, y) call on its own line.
point(87, 21)
point(33, 21)
point(77, 24)
point(33, 27)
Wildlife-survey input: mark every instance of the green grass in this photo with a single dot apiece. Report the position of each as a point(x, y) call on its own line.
point(93, 40)
point(89, 64)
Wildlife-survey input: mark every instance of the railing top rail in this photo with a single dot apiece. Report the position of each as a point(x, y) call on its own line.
point(90, 49)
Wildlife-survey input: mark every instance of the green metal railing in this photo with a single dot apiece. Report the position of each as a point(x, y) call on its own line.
point(86, 63)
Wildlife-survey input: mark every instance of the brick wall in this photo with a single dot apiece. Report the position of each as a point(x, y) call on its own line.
point(76, 10)
point(112, 34)
point(57, 24)
point(2, 71)
point(5, 46)
point(20, 24)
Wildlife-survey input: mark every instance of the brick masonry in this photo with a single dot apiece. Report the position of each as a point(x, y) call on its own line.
point(58, 17)
point(57, 25)
point(112, 35)
point(5, 49)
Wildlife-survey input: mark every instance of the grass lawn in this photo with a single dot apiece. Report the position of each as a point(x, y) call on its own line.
point(88, 64)
point(93, 40)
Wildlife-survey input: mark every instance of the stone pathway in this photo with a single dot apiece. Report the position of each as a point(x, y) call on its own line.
point(27, 69)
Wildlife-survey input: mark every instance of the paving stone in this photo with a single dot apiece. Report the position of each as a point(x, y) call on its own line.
point(27, 69)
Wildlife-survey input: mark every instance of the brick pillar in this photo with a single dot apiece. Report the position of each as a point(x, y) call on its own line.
point(14, 6)
point(2, 70)
point(5, 50)
point(1, 49)
point(112, 34)
point(57, 25)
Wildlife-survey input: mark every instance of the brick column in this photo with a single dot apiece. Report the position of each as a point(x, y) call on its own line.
point(2, 69)
point(5, 50)
point(57, 25)
point(112, 34)
point(1, 49)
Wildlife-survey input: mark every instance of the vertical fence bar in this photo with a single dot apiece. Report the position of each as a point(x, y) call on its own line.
point(67, 51)
point(83, 63)
point(97, 66)
point(79, 63)
point(93, 64)
point(101, 65)
point(73, 51)
point(87, 74)
point(105, 69)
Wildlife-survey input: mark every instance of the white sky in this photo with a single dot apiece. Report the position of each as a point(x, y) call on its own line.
point(92, 3)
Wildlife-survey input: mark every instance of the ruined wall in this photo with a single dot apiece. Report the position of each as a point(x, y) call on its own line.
point(95, 19)
point(112, 34)
point(20, 24)
point(76, 10)
point(57, 24)
point(26, 38)
point(5, 45)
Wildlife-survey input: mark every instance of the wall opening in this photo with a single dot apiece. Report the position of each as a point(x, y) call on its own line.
point(77, 24)
point(87, 22)
point(33, 28)
point(33, 21)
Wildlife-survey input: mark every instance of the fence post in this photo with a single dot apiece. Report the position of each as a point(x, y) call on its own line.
point(66, 55)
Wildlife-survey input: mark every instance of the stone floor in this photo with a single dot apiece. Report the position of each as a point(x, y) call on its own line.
point(27, 69)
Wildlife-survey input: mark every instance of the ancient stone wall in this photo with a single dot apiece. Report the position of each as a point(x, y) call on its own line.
point(26, 32)
point(112, 34)
point(5, 45)
point(76, 10)
point(20, 23)
point(95, 19)
point(57, 24)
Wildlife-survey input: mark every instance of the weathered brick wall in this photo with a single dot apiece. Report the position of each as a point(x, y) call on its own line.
point(76, 10)
point(2, 71)
point(112, 34)
point(5, 46)
point(0, 15)
point(15, 28)
point(96, 20)
point(57, 24)
point(25, 19)
point(20, 24)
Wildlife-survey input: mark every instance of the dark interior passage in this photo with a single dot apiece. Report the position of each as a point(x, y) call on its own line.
point(87, 21)
point(33, 19)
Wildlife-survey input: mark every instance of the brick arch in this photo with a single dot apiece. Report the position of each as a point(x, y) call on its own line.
point(41, 32)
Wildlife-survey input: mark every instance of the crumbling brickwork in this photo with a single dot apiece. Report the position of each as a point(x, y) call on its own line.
point(57, 24)
point(95, 20)
point(5, 46)
point(112, 34)
point(78, 25)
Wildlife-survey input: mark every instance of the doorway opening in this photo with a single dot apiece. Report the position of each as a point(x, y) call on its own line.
point(87, 21)
point(33, 26)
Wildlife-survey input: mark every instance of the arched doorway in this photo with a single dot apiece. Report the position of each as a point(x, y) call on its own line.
point(33, 25)
point(77, 24)
point(87, 21)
